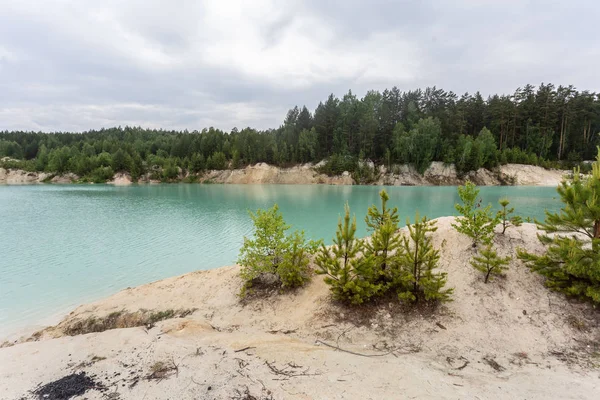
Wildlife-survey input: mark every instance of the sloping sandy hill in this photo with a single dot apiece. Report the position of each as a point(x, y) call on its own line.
point(511, 338)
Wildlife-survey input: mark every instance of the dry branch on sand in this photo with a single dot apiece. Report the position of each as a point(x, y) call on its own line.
point(163, 369)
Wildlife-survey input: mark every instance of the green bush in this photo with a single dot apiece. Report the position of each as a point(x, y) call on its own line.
point(477, 222)
point(271, 251)
point(217, 161)
point(294, 270)
point(364, 174)
point(100, 175)
point(170, 172)
point(338, 164)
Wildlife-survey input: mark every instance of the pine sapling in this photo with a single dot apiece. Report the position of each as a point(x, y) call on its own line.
point(489, 263)
point(571, 263)
point(376, 217)
point(418, 261)
point(505, 215)
point(384, 249)
point(385, 244)
point(351, 276)
point(477, 222)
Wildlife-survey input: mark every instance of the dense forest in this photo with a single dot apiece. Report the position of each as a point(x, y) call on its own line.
point(547, 126)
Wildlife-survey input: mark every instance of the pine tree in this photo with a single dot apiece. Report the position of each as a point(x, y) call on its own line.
point(351, 276)
point(504, 215)
point(476, 222)
point(571, 263)
point(416, 277)
point(376, 217)
point(385, 241)
point(384, 249)
point(489, 263)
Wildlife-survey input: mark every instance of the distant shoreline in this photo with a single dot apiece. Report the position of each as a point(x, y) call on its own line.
point(438, 174)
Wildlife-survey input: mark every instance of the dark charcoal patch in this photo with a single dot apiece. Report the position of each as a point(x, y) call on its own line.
point(67, 387)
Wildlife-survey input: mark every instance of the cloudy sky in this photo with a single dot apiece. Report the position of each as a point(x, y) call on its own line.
point(188, 64)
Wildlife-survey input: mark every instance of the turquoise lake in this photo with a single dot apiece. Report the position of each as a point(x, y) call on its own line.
point(63, 245)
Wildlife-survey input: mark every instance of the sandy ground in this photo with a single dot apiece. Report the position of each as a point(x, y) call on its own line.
point(15, 177)
point(511, 338)
point(437, 174)
point(532, 175)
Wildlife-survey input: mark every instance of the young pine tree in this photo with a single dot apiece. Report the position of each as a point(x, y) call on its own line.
point(351, 277)
point(571, 263)
point(376, 217)
point(416, 279)
point(505, 217)
point(384, 250)
point(385, 243)
point(489, 263)
point(476, 222)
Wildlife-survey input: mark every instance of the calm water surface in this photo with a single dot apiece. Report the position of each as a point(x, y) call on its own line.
point(65, 245)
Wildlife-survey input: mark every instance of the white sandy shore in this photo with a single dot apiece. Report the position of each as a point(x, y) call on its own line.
point(539, 340)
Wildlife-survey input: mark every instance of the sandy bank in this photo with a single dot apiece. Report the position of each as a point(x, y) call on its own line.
point(511, 338)
point(16, 177)
point(437, 174)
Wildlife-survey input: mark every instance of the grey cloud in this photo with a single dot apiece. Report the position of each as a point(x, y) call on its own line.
point(190, 64)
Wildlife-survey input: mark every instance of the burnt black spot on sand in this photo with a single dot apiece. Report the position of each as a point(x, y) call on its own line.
point(68, 387)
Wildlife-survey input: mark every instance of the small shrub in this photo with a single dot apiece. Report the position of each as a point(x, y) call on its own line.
point(477, 222)
point(170, 172)
point(504, 215)
point(271, 252)
point(100, 175)
point(338, 164)
point(364, 174)
point(263, 253)
point(191, 179)
point(294, 270)
point(489, 263)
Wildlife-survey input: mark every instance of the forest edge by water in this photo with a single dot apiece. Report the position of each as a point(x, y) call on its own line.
point(438, 174)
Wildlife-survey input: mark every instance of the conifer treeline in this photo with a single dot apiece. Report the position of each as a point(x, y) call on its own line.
point(540, 125)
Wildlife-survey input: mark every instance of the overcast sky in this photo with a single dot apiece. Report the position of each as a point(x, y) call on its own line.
point(185, 64)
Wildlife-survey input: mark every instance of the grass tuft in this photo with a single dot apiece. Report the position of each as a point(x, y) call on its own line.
point(123, 319)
